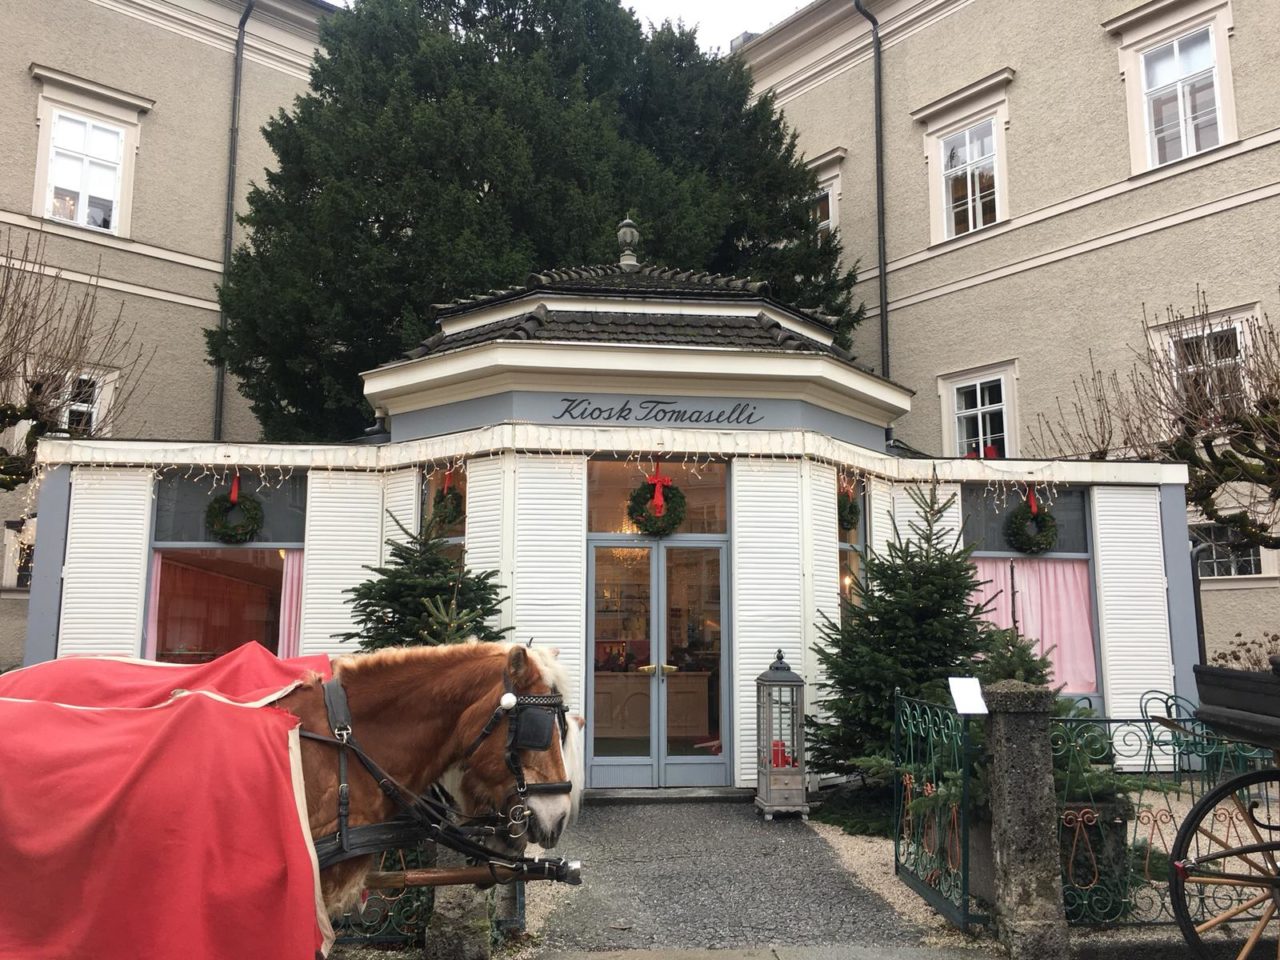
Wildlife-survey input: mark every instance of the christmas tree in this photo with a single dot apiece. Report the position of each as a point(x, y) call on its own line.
point(424, 596)
point(913, 623)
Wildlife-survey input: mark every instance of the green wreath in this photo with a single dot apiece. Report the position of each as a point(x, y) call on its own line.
point(217, 518)
point(640, 510)
point(1019, 533)
point(448, 507)
point(849, 511)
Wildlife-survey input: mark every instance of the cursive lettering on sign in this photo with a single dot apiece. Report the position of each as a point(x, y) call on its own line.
point(588, 410)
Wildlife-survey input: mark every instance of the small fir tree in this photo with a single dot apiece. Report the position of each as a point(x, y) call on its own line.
point(912, 624)
point(423, 597)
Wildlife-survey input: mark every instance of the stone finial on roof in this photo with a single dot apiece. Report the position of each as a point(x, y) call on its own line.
point(628, 239)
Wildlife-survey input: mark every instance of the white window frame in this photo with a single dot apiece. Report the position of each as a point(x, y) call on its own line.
point(1007, 372)
point(105, 382)
point(1268, 564)
point(1165, 337)
point(1180, 85)
point(826, 167)
point(983, 100)
point(1153, 25)
point(64, 94)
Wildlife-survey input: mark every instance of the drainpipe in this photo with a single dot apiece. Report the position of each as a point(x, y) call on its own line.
point(220, 375)
point(879, 125)
point(1199, 550)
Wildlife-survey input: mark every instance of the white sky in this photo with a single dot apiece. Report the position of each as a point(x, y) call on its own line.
point(718, 21)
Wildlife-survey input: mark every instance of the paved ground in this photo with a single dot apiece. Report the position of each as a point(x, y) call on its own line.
point(694, 876)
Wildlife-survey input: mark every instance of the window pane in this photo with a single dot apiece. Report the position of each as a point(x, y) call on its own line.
point(181, 506)
point(83, 390)
point(954, 153)
point(1160, 66)
point(992, 392)
point(434, 485)
point(1166, 126)
point(213, 600)
point(1203, 111)
point(993, 425)
point(1195, 53)
point(68, 171)
point(981, 141)
point(80, 420)
point(1223, 345)
point(69, 133)
point(968, 432)
point(610, 483)
point(98, 212)
point(822, 208)
point(967, 397)
point(986, 189)
point(102, 180)
point(104, 143)
point(65, 203)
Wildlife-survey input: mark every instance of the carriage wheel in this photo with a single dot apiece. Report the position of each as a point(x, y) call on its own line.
point(1224, 882)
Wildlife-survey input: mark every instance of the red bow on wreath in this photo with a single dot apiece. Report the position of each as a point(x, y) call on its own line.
point(658, 481)
point(235, 490)
point(448, 480)
point(1031, 503)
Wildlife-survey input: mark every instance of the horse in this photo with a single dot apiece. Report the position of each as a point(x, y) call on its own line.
point(424, 715)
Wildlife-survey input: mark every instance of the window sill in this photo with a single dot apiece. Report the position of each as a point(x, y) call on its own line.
point(1244, 582)
point(72, 225)
point(985, 228)
point(1203, 156)
point(15, 593)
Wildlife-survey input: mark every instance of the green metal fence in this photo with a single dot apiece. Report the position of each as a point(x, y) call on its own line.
point(934, 753)
point(1124, 787)
point(392, 916)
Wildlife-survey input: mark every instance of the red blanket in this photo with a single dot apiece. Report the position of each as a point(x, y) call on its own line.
point(160, 832)
point(247, 674)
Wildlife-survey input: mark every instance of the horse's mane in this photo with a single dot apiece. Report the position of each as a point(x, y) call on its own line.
point(360, 666)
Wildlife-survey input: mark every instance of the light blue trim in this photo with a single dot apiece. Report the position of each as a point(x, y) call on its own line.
point(1184, 645)
point(53, 511)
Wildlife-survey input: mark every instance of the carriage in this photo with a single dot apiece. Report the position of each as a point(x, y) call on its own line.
point(1225, 862)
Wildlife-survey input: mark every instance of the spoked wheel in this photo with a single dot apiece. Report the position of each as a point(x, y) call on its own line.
point(1224, 882)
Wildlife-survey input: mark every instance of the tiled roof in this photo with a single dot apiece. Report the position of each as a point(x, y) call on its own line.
point(640, 279)
point(756, 332)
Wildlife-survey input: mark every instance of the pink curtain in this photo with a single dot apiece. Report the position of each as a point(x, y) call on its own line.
point(290, 605)
point(153, 607)
point(1052, 604)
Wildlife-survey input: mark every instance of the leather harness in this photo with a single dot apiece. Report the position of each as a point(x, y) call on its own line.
point(531, 720)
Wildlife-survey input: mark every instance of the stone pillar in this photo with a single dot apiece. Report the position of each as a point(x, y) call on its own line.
point(1024, 813)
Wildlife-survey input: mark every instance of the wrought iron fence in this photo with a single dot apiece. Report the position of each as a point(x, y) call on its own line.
point(1124, 786)
point(392, 916)
point(934, 752)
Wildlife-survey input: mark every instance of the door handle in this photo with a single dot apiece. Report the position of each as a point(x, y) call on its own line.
point(668, 668)
point(647, 669)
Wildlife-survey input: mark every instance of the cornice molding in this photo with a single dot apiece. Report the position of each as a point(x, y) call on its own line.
point(823, 162)
point(91, 88)
point(1148, 11)
point(945, 106)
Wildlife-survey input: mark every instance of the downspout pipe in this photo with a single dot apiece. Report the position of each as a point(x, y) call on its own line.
point(220, 375)
point(1197, 552)
point(881, 258)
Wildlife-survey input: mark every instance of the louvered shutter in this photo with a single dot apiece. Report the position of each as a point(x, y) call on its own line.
point(550, 584)
point(892, 505)
point(824, 527)
point(768, 596)
point(104, 572)
point(401, 501)
point(1133, 612)
point(880, 511)
point(486, 519)
point(343, 537)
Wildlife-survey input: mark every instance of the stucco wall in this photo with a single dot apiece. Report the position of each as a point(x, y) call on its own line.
point(13, 631)
point(1249, 612)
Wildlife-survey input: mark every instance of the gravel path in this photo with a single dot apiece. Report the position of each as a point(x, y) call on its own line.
point(708, 875)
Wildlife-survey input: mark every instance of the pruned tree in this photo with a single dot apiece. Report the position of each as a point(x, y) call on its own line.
point(1203, 390)
point(55, 344)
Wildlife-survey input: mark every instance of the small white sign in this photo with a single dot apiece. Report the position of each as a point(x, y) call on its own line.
point(966, 693)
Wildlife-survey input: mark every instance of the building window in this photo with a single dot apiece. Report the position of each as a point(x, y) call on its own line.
point(89, 136)
point(964, 147)
point(825, 206)
point(84, 171)
point(1175, 58)
point(969, 172)
point(26, 561)
point(80, 413)
point(978, 410)
point(1226, 557)
point(852, 542)
point(820, 211)
point(1208, 363)
point(1182, 103)
point(436, 512)
point(610, 483)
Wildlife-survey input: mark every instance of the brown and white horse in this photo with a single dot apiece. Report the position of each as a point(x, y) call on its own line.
point(416, 711)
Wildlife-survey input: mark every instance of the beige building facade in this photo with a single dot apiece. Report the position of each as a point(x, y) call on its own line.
point(1056, 176)
point(117, 122)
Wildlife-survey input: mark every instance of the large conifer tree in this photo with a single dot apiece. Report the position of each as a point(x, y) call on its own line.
point(452, 146)
point(913, 624)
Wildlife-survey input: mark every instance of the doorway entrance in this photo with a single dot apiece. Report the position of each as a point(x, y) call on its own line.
point(659, 677)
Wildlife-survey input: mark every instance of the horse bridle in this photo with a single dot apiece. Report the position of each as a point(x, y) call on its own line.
point(531, 721)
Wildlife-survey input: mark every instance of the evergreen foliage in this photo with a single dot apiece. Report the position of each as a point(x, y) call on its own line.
point(423, 597)
point(913, 623)
point(452, 146)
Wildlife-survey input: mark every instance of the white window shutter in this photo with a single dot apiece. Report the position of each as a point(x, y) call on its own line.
point(402, 501)
point(550, 582)
point(486, 520)
point(104, 572)
point(892, 505)
point(343, 537)
point(880, 513)
point(1133, 612)
point(824, 533)
point(768, 599)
